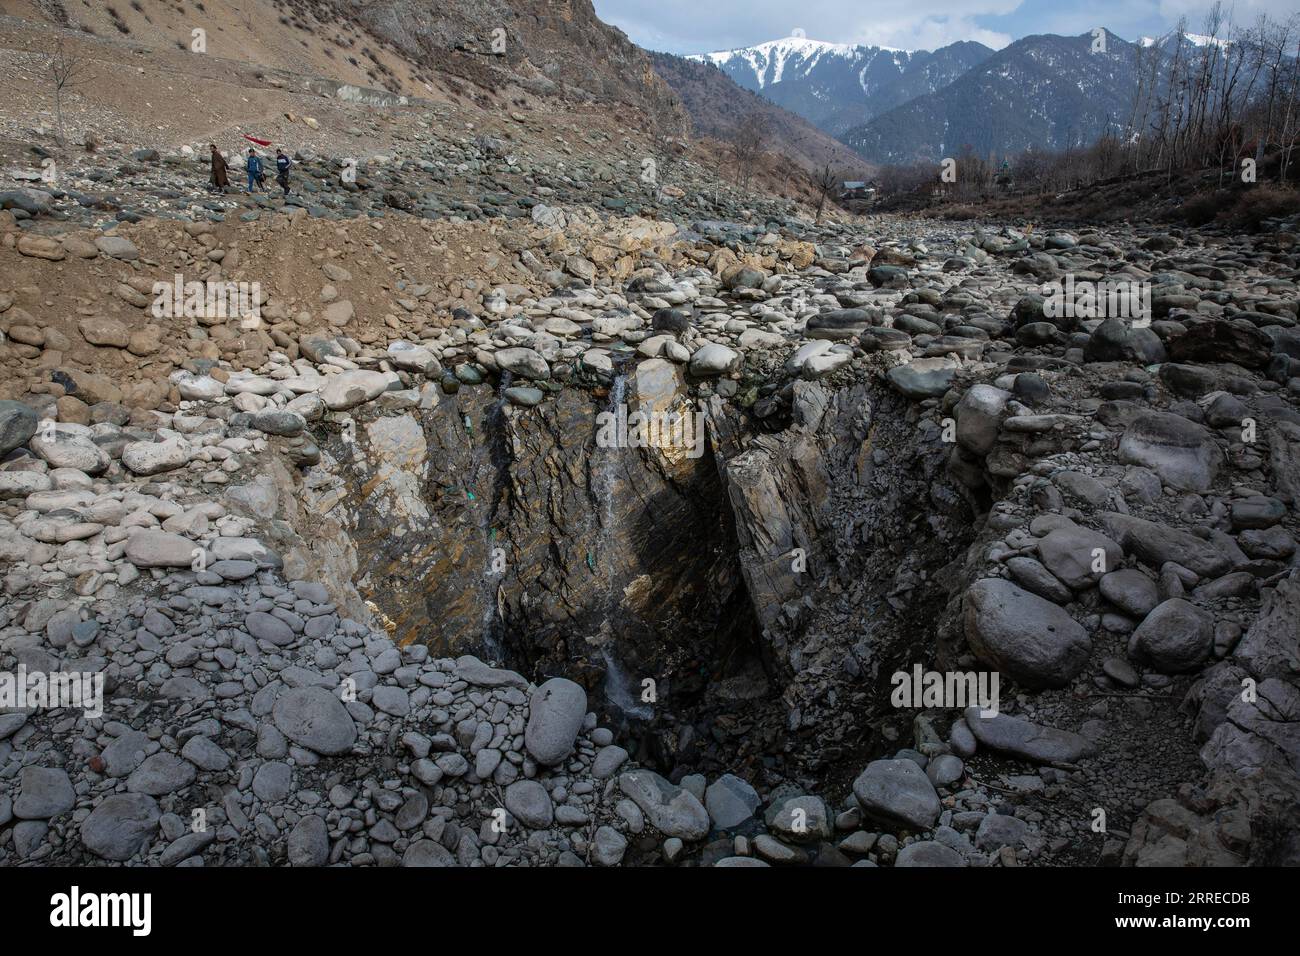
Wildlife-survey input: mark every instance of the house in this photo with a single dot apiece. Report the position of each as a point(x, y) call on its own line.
point(856, 193)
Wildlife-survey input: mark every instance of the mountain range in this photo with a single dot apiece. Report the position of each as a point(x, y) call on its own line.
point(838, 86)
point(901, 106)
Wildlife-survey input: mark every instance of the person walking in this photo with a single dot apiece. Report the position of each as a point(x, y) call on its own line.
point(219, 180)
point(282, 165)
point(254, 168)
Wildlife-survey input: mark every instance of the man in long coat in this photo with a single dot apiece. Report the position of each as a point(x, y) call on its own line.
point(219, 179)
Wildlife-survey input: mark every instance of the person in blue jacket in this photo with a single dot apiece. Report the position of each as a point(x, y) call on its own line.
point(282, 171)
point(254, 168)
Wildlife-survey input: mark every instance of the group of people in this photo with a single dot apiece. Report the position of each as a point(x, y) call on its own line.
point(253, 166)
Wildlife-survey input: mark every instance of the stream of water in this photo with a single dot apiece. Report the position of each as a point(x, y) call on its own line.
point(493, 548)
point(620, 691)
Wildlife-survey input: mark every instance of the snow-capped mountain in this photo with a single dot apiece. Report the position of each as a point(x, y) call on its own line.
point(1170, 40)
point(838, 86)
point(767, 61)
point(1044, 91)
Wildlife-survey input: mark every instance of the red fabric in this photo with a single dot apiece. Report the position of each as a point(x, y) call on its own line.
point(259, 142)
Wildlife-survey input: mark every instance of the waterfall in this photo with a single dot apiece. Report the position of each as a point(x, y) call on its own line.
point(495, 440)
point(619, 692)
point(608, 463)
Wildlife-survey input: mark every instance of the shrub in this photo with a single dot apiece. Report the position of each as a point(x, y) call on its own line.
point(1265, 201)
point(1205, 208)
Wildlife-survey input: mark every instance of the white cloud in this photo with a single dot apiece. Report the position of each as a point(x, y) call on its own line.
point(689, 26)
point(1242, 11)
point(702, 26)
point(927, 34)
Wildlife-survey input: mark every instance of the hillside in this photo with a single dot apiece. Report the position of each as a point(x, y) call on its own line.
point(1048, 92)
point(485, 51)
point(717, 106)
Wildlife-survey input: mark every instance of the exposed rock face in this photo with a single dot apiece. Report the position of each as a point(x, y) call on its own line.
point(1267, 649)
point(627, 546)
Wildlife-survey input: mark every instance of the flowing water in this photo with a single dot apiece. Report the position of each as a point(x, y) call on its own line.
point(605, 482)
point(620, 693)
point(493, 548)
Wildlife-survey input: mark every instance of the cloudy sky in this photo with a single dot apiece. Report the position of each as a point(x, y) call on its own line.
point(702, 26)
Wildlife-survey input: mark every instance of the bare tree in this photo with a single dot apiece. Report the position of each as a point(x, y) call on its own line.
point(826, 180)
point(747, 145)
point(669, 148)
point(1030, 170)
point(899, 180)
point(1289, 133)
point(66, 71)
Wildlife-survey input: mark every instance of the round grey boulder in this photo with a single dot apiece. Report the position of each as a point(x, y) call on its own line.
point(309, 842)
point(268, 627)
point(928, 853)
point(608, 846)
point(160, 774)
point(427, 853)
point(672, 810)
point(1131, 591)
point(1079, 556)
point(120, 826)
point(1183, 453)
point(314, 718)
point(1177, 636)
point(897, 792)
point(555, 717)
point(530, 804)
point(1023, 635)
point(43, 792)
point(714, 359)
point(730, 801)
point(17, 425)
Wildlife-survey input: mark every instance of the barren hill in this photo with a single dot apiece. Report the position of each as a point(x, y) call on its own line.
point(488, 51)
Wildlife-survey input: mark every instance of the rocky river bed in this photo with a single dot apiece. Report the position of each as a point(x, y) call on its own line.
point(364, 586)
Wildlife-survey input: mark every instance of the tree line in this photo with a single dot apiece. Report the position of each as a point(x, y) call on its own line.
point(1227, 99)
